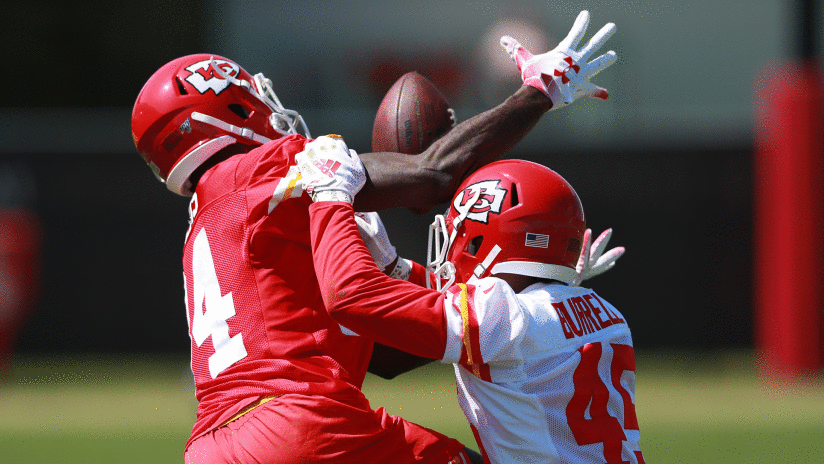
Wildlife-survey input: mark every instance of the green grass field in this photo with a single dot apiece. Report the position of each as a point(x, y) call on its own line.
point(692, 409)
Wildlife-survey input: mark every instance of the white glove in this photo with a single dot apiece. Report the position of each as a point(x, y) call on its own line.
point(330, 171)
point(563, 74)
point(374, 236)
point(593, 261)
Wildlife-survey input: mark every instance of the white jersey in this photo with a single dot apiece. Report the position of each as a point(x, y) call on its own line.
point(544, 376)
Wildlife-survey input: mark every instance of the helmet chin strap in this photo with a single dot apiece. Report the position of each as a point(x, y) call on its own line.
point(439, 266)
point(244, 132)
point(481, 267)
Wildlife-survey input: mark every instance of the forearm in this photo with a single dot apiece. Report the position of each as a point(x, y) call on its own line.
point(484, 138)
point(361, 298)
point(424, 180)
point(388, 362)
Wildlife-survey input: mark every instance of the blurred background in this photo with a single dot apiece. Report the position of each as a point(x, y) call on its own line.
point(90, 270)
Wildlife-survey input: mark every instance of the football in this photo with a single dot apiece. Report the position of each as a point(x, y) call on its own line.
point(412, 115)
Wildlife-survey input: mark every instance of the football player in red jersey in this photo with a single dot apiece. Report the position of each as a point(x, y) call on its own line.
point(277, 379)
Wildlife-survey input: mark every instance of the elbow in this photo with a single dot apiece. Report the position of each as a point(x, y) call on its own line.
point(335, 309)
point(444, 167)
point(342, 317)
point(437, 178)
point(335, 302)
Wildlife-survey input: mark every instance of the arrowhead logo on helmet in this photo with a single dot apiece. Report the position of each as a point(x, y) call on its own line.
point(490, 197)
point(204, 76)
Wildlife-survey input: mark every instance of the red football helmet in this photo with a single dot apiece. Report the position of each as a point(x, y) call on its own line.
point(196, 105)
point(513, 217)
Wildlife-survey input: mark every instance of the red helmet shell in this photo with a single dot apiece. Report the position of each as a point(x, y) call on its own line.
point(162, 126)
point(529, 211)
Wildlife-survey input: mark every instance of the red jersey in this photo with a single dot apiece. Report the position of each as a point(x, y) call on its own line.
point(257, 322)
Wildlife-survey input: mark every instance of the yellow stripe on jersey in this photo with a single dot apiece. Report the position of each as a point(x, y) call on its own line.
point(287, 188)
point(467, 337)
point(248, 408)
point(290, 188)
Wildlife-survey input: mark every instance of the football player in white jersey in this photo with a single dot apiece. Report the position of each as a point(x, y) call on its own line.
point(545, 369)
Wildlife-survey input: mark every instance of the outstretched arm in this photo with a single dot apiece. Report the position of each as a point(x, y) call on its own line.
point(425, 180)
point(551, 80)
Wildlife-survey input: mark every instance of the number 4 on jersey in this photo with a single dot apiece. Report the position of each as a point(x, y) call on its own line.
point(212, 310)
point(591, 391)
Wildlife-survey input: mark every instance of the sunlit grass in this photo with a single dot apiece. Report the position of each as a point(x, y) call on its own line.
point(691, 408)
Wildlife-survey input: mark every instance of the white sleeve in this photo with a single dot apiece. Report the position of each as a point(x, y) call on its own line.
point(485, 323)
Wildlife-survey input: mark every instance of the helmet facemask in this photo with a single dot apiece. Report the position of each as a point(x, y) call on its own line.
point(282, 120)
point(436, 262)
point(439, 236)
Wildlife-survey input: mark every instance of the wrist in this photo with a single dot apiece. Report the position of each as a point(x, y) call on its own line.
point(402, 269)
point(331, 195)
point(532, 96)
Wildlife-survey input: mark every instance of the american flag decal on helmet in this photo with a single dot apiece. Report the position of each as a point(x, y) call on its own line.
point(537, 240)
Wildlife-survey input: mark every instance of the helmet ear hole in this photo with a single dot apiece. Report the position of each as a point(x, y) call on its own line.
point(474, 245)
point(180, 87)
point(239, 110)
point(515, 200)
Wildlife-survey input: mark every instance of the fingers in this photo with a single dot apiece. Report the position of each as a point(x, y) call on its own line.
point(599, 64)
point(515, 50)
point(583, 258)
point(604, 263)
point(588, 89)
point(366, 223)
point(600, 93)
point(600, 244)
point(509, 44)
point(577, 32)
point(597, 41)
point(569, 80)
point(612, 255)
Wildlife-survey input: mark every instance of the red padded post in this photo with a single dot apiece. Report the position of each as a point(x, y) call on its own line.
point(789, 220)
